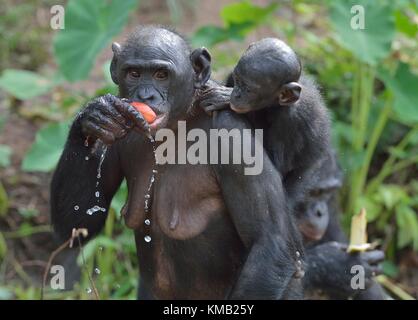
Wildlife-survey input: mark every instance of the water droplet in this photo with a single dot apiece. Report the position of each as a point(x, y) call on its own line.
point(154, 171)
point(147, 222)
point(97, 194)
point(147, 239)
point(88, 290)
point(147, 196)
point(86, 158)
point(76, 208)
point(97, 271)
point(297, 254)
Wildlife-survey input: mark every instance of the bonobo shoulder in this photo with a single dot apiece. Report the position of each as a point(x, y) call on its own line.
point(228, 119)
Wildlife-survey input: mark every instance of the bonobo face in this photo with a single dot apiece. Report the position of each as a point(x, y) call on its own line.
point(265, 76)
point(154, 67)
point(312, 219)
point(251, 91)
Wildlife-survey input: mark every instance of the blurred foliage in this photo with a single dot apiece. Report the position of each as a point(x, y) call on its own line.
point(369, 80)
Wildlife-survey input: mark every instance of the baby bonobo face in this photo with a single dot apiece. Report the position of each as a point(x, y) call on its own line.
point(266, 76)
point(312, 219)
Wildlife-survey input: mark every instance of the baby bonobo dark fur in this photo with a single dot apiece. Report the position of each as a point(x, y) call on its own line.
point(269, 88)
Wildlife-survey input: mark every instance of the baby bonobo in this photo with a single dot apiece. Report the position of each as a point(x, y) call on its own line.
point(269, 88)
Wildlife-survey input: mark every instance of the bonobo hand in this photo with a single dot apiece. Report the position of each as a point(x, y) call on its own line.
point(109, 118)
point(329, 268)
point(214, 97)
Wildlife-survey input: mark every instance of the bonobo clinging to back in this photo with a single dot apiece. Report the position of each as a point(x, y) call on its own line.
point(269, 89)
point(211, 231)
point(328, 264)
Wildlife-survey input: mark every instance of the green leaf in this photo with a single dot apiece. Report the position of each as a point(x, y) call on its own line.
point(239, 19)
point(391, 195)
point(4, 201)
point(244, 12)
point(89, 26)
point(120, 197)
point(405, 24)
point(404, 86)
point(371, 44)
point(407, 222)
point(24, 84)
point(93, 246)
point(5, 153)
point(211, 35)
point(47, 148)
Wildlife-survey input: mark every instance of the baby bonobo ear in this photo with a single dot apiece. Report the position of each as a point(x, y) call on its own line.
point(116, 48)
point(201, 60)
point(289, 93)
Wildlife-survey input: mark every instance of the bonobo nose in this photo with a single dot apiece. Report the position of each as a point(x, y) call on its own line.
point(147, 96)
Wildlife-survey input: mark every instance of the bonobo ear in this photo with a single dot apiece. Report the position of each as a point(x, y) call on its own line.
point(116, 48)
point(201, 59)
point(289, 93)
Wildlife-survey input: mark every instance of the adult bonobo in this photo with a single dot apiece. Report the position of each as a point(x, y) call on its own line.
point(212, 231)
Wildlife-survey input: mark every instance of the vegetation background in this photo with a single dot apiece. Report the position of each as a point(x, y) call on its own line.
point(368, 77)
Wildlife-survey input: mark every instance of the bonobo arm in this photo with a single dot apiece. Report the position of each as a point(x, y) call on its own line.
point(214, 97)
point(75, 181)
point(257, 206)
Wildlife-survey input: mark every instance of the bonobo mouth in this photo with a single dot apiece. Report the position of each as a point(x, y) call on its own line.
point(310, 233)
point(239, 109)
point(159, 122)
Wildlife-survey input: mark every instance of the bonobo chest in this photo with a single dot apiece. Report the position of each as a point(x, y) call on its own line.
point(183, 200)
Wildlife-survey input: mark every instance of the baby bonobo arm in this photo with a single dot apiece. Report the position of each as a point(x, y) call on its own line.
point(214, 97)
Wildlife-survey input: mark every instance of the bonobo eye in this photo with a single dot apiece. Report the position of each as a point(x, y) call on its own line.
point(134, 73)
point(161, 75)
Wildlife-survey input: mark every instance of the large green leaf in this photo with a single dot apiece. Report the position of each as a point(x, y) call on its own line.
point(47, 148)
point(404, 85)
point(24, 84)
point(373, 43)
point(89, 26)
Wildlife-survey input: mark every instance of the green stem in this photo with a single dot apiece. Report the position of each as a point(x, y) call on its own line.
point(360, 118)
point(371, 146)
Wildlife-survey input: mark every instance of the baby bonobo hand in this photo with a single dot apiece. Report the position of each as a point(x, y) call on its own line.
point(109, 118)
point(214, 97)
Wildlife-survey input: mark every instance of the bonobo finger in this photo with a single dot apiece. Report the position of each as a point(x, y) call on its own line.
point(111, 125)
point(118, 117)
point(339, 245)
point(92, 129)
point(373, 257)
point(129, 112)
point(216, 107)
